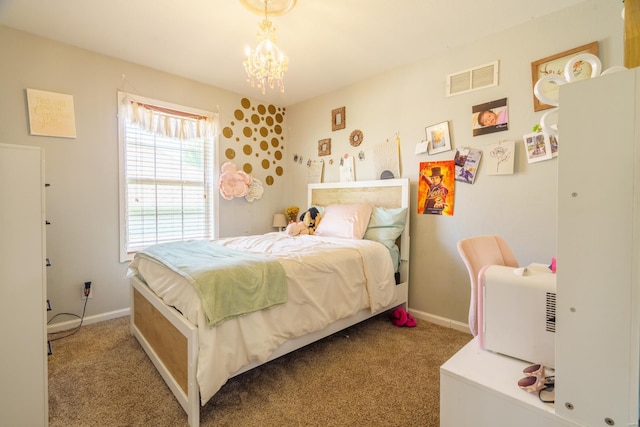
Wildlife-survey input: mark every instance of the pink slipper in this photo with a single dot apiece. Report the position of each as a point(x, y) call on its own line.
point(411, 322)
point(399, 317)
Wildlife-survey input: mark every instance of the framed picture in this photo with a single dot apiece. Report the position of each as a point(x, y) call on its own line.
point(338, 119)
point(537, 146)
point(490, 117)
point(438, 138)
point(324, 147)
point(555, 64)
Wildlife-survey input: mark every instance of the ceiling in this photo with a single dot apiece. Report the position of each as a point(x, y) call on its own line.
point(330, 43)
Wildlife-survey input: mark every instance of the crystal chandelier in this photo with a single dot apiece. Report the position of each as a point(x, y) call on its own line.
point(266, 65)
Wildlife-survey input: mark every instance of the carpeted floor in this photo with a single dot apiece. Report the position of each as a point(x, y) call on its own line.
point(372, 374)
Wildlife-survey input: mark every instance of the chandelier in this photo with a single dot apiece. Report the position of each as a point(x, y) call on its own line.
point(266, 65)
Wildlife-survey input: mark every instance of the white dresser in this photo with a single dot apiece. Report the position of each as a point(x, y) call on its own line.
point(23, 359)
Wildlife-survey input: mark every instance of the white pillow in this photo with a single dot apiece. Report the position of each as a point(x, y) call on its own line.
point(346, 221)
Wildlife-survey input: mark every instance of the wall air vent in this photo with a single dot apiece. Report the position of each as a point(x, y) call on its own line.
point(551, 312)
point(473, 79)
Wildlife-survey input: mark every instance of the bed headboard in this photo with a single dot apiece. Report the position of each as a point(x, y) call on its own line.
point(386, 193)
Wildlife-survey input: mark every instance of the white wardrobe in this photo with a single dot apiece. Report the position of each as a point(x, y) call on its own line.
point(597, 343)
point(598, 296)
point(23, 358)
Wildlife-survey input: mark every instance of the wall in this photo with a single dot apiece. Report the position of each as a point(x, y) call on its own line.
point(82, 201)
point(520, 207)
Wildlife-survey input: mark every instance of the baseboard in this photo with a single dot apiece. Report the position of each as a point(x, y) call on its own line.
point(442, 321)
point(70, 324)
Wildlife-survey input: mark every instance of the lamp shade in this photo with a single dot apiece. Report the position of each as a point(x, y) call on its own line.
point(279, 221)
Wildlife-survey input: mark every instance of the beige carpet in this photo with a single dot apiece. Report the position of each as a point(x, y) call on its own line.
point(372, 374)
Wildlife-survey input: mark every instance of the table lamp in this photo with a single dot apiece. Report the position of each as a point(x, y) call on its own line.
point(279, 221)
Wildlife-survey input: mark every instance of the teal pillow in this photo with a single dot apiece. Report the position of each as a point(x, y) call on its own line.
point(386, 225)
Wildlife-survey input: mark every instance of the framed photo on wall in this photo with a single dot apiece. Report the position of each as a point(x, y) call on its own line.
point(438, 138)
point(555, 64)
point(490, 117)
point(338, 119)
point(537, 146)
point(324, 147)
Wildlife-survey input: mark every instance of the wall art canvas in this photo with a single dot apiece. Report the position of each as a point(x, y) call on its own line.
point(51, 114)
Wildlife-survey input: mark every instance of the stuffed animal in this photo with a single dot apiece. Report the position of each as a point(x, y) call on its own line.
point(311, 218)
point(296, 228)
point(307, 224)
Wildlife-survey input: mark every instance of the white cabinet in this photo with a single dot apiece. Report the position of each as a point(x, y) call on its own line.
point(598, 328)
point(23, 366)
point(597, 356)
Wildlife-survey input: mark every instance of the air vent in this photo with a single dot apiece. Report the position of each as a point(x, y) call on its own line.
point(473, 79)
point(551, 312)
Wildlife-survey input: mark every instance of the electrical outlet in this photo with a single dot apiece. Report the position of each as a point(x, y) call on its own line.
point(87, 291)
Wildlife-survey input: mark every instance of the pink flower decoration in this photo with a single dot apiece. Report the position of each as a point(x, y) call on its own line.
point(233, 183)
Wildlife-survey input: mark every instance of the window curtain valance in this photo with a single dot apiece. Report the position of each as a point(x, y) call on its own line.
point(170, 121)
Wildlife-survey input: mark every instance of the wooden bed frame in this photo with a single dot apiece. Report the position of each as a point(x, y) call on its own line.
point(171, 341)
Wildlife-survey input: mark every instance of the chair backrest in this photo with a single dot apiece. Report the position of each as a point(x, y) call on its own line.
point(476, 252)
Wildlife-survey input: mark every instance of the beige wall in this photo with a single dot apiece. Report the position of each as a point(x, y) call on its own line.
point(521, 207)
point(82, 202)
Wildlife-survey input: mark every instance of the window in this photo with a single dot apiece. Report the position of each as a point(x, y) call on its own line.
point(166, 170)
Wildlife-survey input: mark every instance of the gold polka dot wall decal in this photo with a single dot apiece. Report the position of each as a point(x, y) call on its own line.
point(258, 130)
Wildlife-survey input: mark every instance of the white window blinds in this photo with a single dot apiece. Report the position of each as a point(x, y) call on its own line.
point(166, 153)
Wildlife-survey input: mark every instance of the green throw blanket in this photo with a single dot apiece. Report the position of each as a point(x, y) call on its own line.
point(229, 282)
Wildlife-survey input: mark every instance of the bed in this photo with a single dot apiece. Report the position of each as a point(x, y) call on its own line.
point(196, 355)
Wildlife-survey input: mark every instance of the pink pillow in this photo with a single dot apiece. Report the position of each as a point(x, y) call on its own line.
point(346, 221)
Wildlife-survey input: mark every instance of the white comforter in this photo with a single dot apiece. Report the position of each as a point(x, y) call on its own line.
point(328, 279)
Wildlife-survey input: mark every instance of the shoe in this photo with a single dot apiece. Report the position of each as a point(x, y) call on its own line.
point(399, 317)
point(411, 322)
